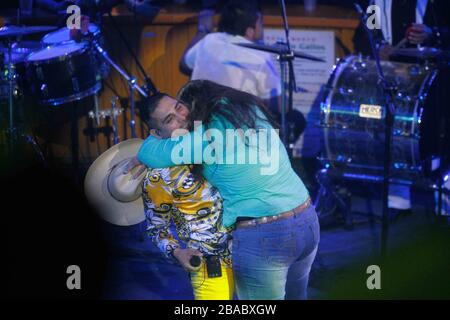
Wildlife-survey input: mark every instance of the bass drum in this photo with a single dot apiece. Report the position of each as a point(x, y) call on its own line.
point(353, 118)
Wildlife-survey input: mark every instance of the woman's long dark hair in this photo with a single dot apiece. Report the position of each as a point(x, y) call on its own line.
point(205, 98)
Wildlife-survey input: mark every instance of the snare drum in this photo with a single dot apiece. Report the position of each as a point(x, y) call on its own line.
point(353, 117)
point(63, 35)
point(63, 73)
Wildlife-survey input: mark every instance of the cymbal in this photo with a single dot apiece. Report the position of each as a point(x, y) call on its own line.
point(15, 31)
point(20, 50)
point(420, 53)
point(279, 49)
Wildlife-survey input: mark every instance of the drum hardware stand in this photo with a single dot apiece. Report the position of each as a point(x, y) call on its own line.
point(75, 147)
point(12, 132)
point(149, 88)
point(287, 76)
point(325, 192)
point(442, 137)
point(132, 85)
point(112, 113)
point(149, 85)
point(96, 110)
point(441, 181)
point(389, 90)
point(30, 140)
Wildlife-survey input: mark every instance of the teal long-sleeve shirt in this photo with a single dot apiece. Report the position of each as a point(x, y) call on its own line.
point(251, 170)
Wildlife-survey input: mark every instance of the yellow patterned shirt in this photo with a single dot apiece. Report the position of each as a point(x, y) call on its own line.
point(195, 207)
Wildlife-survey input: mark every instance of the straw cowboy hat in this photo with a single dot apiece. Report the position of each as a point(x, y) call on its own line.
point(116, 195)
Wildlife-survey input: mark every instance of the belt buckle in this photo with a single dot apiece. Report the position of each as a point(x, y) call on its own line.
point(252, 222)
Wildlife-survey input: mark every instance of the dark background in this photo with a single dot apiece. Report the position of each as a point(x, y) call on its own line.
point(49, 226)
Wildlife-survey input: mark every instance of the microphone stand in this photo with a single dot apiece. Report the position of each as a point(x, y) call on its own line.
point(132, 83)
point(389, 90)
point(14, 133)
point(286, 65)
point(442, 64)
point(149, 85)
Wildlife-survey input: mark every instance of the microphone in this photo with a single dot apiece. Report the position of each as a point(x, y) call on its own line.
point(195, 261)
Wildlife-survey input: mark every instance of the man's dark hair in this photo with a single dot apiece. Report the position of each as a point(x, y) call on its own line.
point(237, 16)
point(149, 106)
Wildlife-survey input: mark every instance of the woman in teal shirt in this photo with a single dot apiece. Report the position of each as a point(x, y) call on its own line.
point(236, 148)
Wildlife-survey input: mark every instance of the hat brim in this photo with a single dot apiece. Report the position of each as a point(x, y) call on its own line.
point(96, 186)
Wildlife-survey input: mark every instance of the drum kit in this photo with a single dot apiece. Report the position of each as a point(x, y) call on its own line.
point(353, 109)
point(56, 71)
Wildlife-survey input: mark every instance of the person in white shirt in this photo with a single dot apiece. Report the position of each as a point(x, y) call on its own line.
point(217, 57)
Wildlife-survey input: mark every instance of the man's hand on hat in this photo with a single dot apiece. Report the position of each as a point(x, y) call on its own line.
point(184, 256)
point(131, 165)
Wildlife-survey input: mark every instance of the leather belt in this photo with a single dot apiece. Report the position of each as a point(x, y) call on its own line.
point(278, 217)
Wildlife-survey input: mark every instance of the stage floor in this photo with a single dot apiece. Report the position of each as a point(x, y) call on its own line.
point(136, 270)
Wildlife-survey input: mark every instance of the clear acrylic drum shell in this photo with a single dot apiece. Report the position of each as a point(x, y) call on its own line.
point(353, 141)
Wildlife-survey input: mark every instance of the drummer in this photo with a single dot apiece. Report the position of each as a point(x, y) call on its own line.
point(408, 23)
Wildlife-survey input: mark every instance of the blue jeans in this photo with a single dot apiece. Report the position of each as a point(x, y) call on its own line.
point(272, 261)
